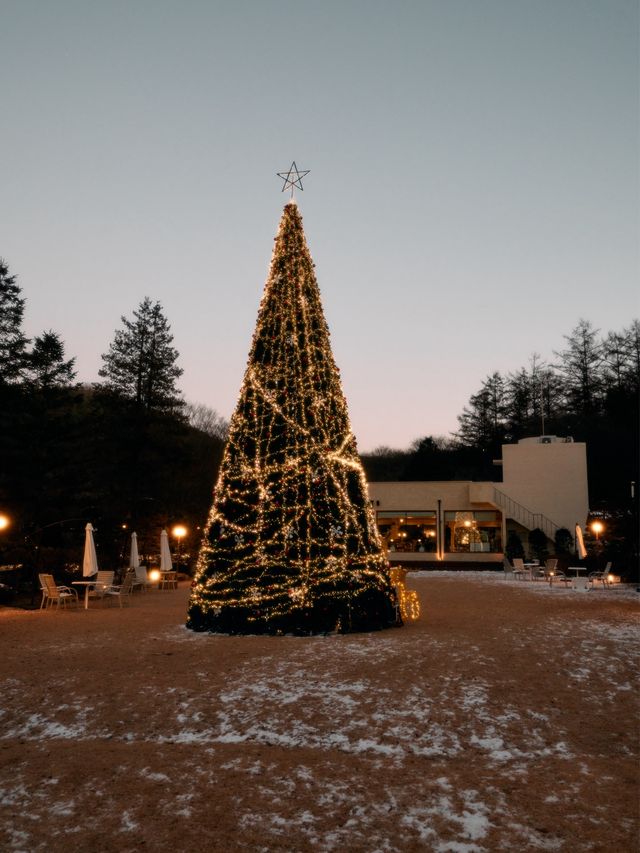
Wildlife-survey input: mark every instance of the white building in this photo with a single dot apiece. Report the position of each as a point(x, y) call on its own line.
point(544, 486)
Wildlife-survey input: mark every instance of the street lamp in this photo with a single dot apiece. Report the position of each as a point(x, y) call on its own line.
point(179, 531)
point(597, 527)
point(4, 521)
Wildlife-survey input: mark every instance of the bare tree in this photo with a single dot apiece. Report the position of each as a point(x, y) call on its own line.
point(206, 420)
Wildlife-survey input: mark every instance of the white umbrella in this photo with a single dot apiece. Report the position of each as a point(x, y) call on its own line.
point(165, 554)
point(581, 550)
point(134, 558)
point(90, 559)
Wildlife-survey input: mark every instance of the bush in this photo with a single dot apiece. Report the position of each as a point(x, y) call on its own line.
point(563, 541)
point(514, 547)
point(538, 544)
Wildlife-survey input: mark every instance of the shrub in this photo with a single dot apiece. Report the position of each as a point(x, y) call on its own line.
point(538, 544)
point(563, 541)
point(514, 547)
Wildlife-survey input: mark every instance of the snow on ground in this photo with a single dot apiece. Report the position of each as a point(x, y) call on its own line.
point(428, 738)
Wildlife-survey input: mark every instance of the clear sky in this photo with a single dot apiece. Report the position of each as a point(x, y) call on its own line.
point(473, 188)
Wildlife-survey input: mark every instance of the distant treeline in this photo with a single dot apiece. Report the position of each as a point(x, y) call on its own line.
point(590, 393)
point(126, 453)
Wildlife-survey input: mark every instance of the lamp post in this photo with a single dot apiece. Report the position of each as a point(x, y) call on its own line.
point(597, 527)
point(179, 531)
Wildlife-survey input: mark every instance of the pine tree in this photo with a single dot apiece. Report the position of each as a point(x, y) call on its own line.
point(12, 340)
point(482, 422)
point(291, 543)
point(141, 363)
point(46, 365)
point(581, 366)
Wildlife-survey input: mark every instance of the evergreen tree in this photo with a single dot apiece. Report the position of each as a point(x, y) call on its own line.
point(534, 400)
point(581, 367)
point(46, 365)
point(291, 544)
point(521, 403)
point(141, 363)
point(482, 422)
point(13, 342)
point(628, 342)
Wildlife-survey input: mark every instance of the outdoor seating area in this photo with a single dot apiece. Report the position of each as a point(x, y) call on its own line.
point(108, 586)
point(549, 572)
point(101, 589)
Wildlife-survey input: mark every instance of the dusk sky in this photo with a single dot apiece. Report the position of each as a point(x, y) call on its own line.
point(474, 186)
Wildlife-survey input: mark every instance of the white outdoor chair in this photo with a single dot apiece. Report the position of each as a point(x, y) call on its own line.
point(123, 591)
point(602, 576)
point(508, 569)
point(103, 581)
point(43, 590)
point(519, 570)
point(552, 573)
point(59, 595)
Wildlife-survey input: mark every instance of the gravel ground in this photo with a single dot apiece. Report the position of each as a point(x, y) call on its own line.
point(505, 718)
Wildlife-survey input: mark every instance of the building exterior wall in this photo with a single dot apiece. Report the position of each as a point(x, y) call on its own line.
point(545, 477)
point(549, 478)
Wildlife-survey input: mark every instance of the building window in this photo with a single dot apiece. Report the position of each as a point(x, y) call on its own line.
point(408, 531)
point(473, 531)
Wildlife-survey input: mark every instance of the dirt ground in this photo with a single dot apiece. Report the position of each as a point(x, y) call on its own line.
point(506, 718)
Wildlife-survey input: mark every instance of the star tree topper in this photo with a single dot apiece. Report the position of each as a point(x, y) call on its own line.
point(293, 178)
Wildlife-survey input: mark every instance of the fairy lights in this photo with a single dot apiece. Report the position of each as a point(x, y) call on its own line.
point(291, 544)
point(408, 600)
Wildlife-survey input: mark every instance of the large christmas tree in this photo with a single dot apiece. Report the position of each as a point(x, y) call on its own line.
point(291, 543)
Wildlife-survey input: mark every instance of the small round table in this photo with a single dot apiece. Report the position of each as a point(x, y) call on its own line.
point(87, 586)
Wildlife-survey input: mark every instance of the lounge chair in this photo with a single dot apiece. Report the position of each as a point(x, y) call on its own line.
point(519, 570)
point(553, 574)
point(541, 571)
point(43, 589)
point(122, 591)
point(602, 576)
point(508, 569)
point(59, 595)
point(103, 581)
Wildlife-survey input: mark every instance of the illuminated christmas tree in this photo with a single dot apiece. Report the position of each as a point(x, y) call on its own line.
point(291, 544)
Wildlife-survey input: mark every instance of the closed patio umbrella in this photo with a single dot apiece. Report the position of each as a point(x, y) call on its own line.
point(581, 550)
point(134, 558)
point(165, 554)
point(90, 559)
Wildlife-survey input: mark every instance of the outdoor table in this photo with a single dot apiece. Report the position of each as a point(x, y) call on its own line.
point(168, 580)
point(578, 582)
point(87, 586)
point(530, 567)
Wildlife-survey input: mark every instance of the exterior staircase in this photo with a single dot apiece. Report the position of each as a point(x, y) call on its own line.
point(523, 516)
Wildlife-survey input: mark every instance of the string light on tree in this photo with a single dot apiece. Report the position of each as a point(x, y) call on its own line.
point(291, 544)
